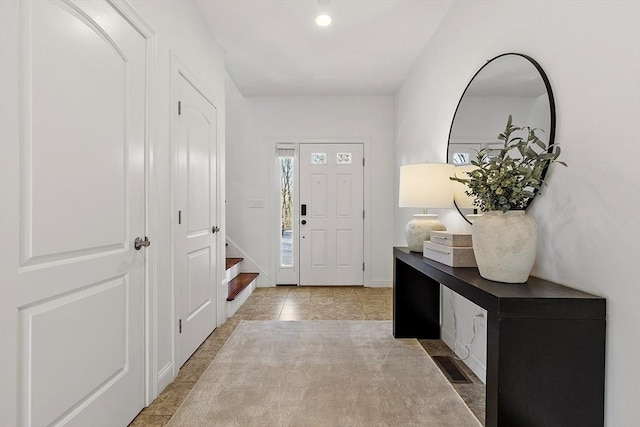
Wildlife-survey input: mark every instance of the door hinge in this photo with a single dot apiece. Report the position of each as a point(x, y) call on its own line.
point(179, 217)
point(179, 326)
point(179, 107)
point(363, 162)
point(363, 266)
point(363, 214)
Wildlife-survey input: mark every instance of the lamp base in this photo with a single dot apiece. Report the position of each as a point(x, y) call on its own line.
point(419, 229)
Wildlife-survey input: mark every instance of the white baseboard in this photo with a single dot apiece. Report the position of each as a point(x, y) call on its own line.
point(447, 337)
point(165, 377)
point(380, 284)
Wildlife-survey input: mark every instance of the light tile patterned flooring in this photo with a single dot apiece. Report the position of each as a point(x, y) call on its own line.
point(290, 303)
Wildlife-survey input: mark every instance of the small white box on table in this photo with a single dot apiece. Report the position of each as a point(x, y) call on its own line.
point(452, 249)
point(448, 238)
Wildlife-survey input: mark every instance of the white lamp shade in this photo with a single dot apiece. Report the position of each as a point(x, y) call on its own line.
point(462, 200)
point(426, 185)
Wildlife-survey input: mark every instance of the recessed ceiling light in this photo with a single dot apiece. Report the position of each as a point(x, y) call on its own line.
point(323, 20)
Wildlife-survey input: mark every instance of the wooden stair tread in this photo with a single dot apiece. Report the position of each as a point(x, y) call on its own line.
point(239, 283)
point(233, 261)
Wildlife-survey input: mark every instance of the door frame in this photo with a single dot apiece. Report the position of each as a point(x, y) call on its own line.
point(274, 195)
point(178, 68)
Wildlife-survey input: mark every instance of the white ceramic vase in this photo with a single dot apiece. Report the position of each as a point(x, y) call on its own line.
point(504, 244)
point(419, 229)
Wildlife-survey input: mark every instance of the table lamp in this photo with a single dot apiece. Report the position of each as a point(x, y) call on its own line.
point(425, 185)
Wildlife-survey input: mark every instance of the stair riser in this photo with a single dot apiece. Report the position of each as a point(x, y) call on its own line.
point(241, 298)
point(233, 272)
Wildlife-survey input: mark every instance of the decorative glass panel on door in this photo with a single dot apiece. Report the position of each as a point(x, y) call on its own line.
point(343, 158)
point(318, 158)
point(461, 159)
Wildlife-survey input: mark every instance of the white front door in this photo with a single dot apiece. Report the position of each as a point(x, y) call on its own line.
point(196, 232)
point(72, 168)
point(331, 214)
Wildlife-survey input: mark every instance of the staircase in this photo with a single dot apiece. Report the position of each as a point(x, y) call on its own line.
point(241, 285)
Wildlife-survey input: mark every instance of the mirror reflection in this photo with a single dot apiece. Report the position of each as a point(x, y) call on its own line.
point(507, 84)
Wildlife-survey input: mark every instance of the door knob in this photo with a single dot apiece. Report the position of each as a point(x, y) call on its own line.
point(303, 222)
point(215, 229)
point(138, 243)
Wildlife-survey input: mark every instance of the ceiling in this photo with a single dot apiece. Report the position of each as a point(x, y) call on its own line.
point(274, 47)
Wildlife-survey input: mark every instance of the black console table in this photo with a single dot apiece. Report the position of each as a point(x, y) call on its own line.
point(545, 341)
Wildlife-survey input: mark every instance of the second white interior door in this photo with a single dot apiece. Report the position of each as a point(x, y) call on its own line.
point(331, 214)
point(195, 250)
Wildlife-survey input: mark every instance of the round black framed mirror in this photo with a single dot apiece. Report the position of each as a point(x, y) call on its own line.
point(509, 84)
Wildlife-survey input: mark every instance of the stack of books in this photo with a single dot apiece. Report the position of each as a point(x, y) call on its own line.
point(452, 249)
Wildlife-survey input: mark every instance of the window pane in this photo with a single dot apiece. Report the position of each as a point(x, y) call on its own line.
point(461, 158)
point(286, 210)
point(318, 158)
point(343, 158)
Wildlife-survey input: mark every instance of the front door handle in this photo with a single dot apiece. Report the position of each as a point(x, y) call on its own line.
point(139, 243)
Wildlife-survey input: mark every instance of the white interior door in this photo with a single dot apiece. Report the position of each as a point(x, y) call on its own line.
point(72, 194)
point(331, 214)
point(195, 262)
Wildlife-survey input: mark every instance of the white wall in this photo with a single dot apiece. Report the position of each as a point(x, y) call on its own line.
point(242, 162)
point(253, 126)
point(588, 216)
point(181, 32)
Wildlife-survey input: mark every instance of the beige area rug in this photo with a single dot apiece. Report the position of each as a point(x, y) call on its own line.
point(322, 373)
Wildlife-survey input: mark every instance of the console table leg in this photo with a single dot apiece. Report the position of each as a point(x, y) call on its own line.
point(550, 372)
point(416, 303)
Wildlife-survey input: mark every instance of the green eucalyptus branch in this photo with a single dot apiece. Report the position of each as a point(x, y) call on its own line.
point(502, 182)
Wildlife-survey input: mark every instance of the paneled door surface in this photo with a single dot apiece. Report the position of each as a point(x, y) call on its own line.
point(331, 214)
point(196, 232)
point(72, 167)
